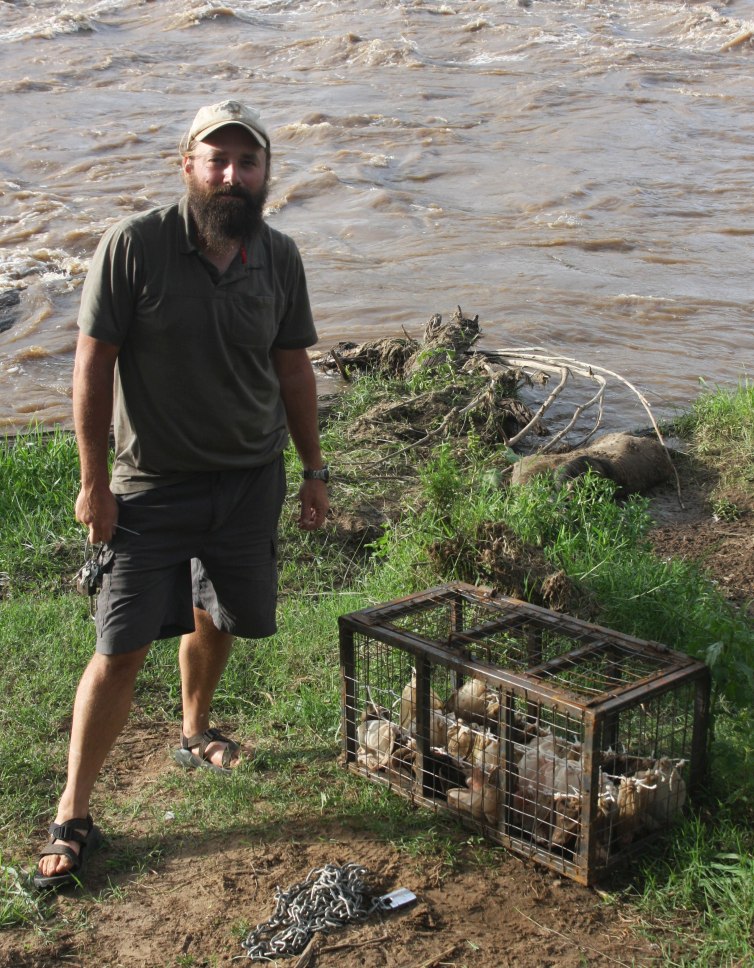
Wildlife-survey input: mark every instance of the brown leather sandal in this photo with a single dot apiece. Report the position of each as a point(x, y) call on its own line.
point(80, 831)
point(186, 758)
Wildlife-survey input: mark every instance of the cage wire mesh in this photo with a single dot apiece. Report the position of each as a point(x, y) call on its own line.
point(564, 741)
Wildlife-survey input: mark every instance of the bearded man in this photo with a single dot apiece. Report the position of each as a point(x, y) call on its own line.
point(194, 324)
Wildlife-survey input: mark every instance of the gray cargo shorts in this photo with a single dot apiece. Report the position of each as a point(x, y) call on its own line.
point(210, 542)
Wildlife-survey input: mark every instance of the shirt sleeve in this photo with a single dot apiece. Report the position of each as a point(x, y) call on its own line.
point(110, 292)
point(296, 329)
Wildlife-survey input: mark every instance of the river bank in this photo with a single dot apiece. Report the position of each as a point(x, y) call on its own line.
point(190, 864)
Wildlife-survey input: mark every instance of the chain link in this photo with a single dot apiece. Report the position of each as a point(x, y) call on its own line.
point(328, 898)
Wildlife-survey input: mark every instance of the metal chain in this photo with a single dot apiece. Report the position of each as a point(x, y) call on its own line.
point(328, 898)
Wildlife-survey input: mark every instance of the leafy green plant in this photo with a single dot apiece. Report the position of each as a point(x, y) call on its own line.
point(432, 368)
point(443, 482)
point(723, 509)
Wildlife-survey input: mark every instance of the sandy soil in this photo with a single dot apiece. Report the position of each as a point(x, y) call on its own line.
point(516, 914)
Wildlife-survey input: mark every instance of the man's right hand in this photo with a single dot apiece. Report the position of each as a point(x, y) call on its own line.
point(93, 370)
point(97, 509)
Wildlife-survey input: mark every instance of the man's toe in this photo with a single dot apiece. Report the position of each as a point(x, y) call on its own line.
point(52, 865)
point(215, 753)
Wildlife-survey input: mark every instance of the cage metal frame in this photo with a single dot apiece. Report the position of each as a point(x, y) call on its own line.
point(531, 684)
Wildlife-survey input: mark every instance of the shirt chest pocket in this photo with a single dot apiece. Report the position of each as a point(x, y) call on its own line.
point(247, 320)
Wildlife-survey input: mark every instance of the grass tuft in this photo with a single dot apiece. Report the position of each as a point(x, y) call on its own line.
point(19, 903)
point(720, 426)
point(41, 539)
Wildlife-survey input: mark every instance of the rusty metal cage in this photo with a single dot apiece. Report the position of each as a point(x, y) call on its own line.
point(561, 740)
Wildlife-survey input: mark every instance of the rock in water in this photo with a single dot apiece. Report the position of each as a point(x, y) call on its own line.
point(9, 300)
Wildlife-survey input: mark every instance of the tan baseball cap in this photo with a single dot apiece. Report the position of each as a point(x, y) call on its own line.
point(214, 116)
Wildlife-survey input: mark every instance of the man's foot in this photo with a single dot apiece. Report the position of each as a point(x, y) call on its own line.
point(208, 750)
point(62, 861)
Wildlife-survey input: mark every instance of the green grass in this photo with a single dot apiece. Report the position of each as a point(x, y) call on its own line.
point(38, 485)
point(702, 890)
point(602, 544)
point(696, 892)
point(694, 895)
point(720, 426)
point(18, 905)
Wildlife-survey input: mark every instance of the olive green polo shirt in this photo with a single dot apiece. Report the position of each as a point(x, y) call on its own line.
point(195, 388)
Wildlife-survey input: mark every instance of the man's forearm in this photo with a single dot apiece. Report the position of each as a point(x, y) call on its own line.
point(298, 390)
point(92, 411)
point(93, 374)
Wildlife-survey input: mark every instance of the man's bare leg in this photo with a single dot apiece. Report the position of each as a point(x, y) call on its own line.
point(103, 701)
point(203, 656)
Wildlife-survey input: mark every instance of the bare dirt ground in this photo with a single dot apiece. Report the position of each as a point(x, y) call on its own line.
point(186, 910)
point(182, 913)
point(692, 532)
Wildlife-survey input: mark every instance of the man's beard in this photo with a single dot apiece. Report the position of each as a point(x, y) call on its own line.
point(219, 221)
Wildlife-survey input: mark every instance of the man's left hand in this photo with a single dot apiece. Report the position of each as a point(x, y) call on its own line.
point(314, 505)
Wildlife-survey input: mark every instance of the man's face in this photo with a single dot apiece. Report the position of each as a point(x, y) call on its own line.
point(226, 177)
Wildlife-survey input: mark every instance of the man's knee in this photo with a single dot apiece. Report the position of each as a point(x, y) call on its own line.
point(122, 665)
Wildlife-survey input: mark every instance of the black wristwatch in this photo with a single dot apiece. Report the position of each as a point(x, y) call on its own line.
point(321, 474)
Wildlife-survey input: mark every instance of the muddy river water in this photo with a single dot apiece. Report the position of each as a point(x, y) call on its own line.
point(576, 172)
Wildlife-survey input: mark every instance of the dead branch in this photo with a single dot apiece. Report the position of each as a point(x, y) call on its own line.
point(339, 363)
point(564, 374)
point(355, 944)
point(438, 959)
point(598, 399)
point(592, 372)
point(305, 959)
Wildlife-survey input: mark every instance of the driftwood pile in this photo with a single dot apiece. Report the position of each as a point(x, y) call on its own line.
point(464, 389)
point(470, 392)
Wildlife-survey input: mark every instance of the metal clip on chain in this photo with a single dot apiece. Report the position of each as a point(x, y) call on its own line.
point(330, 897)
point(89, 576)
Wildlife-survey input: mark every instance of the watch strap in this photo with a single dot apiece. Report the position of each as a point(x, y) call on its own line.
point(317, 474)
